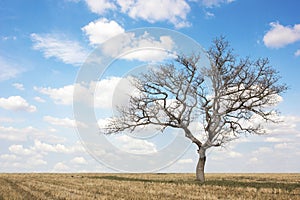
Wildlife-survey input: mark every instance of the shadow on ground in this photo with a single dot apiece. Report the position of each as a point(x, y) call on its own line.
point(216, 182)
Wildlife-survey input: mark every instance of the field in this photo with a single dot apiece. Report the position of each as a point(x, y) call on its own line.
point(149, 186)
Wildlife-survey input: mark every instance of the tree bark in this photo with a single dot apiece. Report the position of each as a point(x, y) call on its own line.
point(200, 176)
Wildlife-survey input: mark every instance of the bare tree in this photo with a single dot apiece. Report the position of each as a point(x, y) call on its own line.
point(177, 94)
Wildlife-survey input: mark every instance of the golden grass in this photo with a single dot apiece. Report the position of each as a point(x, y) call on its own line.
point(149, 186)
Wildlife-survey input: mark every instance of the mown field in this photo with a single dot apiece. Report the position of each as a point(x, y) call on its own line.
point(149, 186)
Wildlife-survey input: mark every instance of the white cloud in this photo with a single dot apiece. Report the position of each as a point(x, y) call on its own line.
point(174, 11)
point(39, 99)
point(102, 29)
point(15, 134)
point(36, 161)
point(234, 154)
point(61, 167)
point(79, 160)
point(53, 130)
point(56, 148)
point(272, 139)
point(297, 53)
point(287, 125)
point(262, 150)
point(27, 158)
point(136, 146)
point(16, 103)
point(253, 160)
point(65, 122)
point(58, 46)
point(284, 145)
point(226, 153)
point(5, 38)
point(8, 157)
point(213, 3)
point(185, 161)
point(23, 134)
point(34, 154)
point(277, 139)
point(63, 95)
point(112, 91)
point(8, 70)
point(18, 86)
point(209, 15)
point(103, 92)
point(142, 48)
point(280, 36)
point(20, 150)
point(100, 6)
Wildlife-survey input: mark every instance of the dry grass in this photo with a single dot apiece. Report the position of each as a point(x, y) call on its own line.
point(149, 186)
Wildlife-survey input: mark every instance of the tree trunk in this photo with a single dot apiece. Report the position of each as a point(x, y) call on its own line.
point(200, 166)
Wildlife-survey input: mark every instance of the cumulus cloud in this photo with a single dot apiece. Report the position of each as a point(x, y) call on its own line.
point(174, 11)
point(61, 167)
point(79, 160)
point(28, 158)
point(23, 158)
point(288, 125)
point(16, 103)
point(280, 36)
point(43, 147)
point(135, 47)
point(100, 6)
point(230, 152)
point(20, 150)
point(136, 146)
point(39, 99)
point(65, 122)
point(15, 134)
point(21, 162)
point(143, 48)
point(18, 86)
point(60, 47)
point(253, 160)
point(102, 29)
point(223, 154)
point(8, 157)
point(63, 95)
point(36, 161)
point(23, 134)
point(102, 90)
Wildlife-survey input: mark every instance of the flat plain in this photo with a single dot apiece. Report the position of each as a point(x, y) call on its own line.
point(148, 186)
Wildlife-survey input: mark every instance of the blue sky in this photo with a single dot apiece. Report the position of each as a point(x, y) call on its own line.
point(43, 45)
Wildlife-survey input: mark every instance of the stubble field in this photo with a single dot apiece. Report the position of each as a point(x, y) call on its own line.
point(149, 186)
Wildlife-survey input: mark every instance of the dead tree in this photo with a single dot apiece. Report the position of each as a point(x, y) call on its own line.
point(224, 98)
